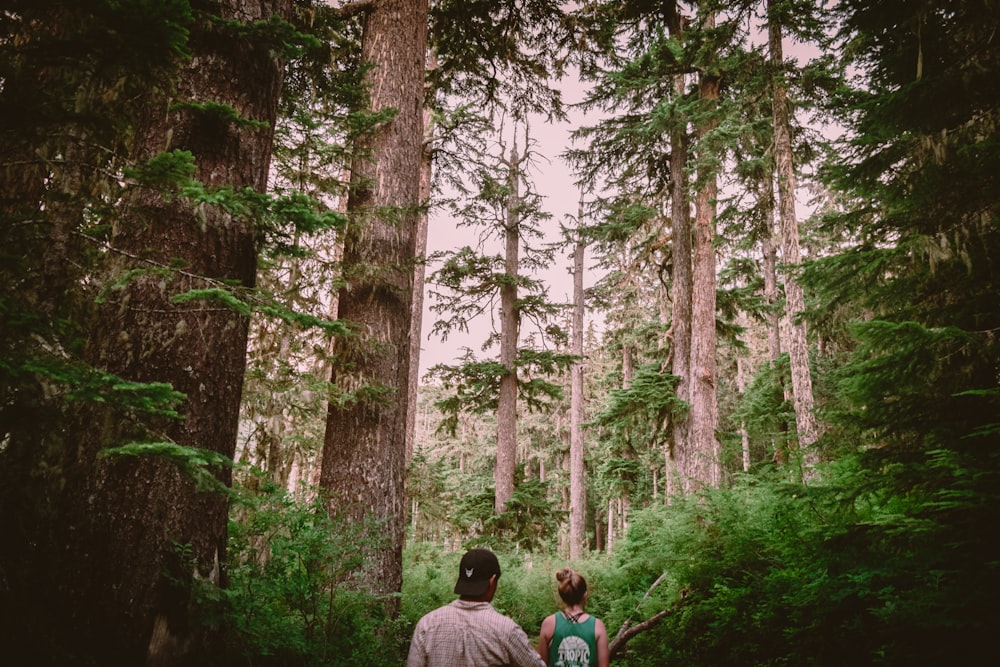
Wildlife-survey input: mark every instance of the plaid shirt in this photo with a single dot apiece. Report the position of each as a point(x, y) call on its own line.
point(470, 634)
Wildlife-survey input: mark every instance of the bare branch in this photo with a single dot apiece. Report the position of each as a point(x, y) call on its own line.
point(627, 630)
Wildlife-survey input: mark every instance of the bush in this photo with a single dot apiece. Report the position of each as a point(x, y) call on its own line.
point(292, 598)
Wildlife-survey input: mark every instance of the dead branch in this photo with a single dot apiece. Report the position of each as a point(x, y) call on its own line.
point(627, 630)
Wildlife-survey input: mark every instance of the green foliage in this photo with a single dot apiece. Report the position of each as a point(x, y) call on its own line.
point(770, 573)
point(528, 523)
point(475, 385)
point(303, 214)
point(219, 116)
point(280, 36)
point(499, 55)
point(275, 310)
point(292, 598)
point(766, 413)
point(168, 172)
point(650, 399)
point(199, 465)
point(429, 576)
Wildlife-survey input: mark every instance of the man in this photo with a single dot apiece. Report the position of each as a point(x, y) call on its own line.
point(469, 632)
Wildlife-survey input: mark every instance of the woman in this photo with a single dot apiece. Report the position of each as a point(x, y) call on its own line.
point(572, 637)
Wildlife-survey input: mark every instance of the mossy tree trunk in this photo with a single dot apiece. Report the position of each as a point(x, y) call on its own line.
point(147, 534)
point(364, 446)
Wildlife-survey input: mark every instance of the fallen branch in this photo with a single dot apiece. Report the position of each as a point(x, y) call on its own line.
point(627, 630)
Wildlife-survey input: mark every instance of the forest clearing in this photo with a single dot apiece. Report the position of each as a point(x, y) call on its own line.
point(743, 374)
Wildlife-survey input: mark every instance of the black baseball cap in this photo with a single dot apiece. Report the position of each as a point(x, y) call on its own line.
point(474, 572)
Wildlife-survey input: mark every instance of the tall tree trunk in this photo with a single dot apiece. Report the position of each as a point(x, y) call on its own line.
point(364, 448)
point(503, 472)
point(798, 345)
point(741, 387)
point(702, 457)
point(769, 268)
point(612, 523)
point(136, 602)
point(577, 477)
point(419, 277)
point(681, 285)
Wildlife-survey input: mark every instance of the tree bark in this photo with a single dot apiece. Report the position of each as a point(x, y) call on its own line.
point(769, 267)
point(419, 278)
point(503, 472)
point(364, 447)
point(681, 286)
point(798, 345)
point(577, 478)
point(702, 465)
point(133, 596)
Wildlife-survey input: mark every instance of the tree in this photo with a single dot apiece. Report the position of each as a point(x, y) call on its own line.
point(500, 201)
point(798, 347)
point(917, 398)
point(682, 286)
point(496, 79)
point(701, 454)
point(284, 397)
point(419, 280)
point(172, 326)
point(129, 536)
point(577, 478)
point(639, 154)
point(510, 326)
point(364, 447)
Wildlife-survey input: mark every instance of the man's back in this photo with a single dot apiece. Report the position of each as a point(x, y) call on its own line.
point(473, 634)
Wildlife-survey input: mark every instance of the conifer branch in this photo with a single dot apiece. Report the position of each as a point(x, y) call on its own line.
point(355, 7)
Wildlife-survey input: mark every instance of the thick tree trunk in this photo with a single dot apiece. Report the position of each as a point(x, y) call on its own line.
point(702, 457)
point(681, 286)
point(133, 517)
point(798, 345)
point(577, 478)
point(48, 106)
point(503, 472)
point(364, 448)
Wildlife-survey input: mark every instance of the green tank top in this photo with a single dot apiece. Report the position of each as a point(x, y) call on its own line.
point(573, 644)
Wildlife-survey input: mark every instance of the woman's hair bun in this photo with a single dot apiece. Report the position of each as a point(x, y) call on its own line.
point(572, 587)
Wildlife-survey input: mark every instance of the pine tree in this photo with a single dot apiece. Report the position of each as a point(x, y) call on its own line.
point(918, 398)
point(577, 488)
point(469, 283)
point(284, 397)
point(802, 393)
point(154, 395)
point(497, 78)
point(175, 329)
point(365, 443)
